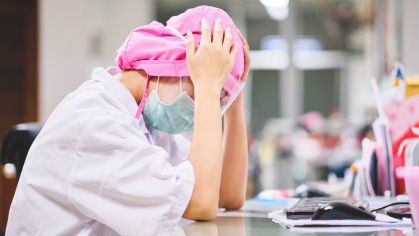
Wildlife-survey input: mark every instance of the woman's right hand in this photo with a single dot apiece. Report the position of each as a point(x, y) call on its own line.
point(210, 64)
point(209, 67)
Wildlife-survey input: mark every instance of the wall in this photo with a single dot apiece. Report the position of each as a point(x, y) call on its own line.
point(63, 47)
point(76, 36)
point(410, 36)
point(110, 24)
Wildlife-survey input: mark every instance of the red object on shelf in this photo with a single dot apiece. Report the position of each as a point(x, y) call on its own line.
point(402, 116)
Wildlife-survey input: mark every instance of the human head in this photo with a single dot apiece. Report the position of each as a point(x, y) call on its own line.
point(161, 51)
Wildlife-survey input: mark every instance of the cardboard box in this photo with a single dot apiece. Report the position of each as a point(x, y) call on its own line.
point(412, 86)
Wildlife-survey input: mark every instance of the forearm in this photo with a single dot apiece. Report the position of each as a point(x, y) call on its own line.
point(209, 67)
point(234, 172)
point(206, 156)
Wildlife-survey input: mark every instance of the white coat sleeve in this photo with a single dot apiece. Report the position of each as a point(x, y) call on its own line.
point(121, 180)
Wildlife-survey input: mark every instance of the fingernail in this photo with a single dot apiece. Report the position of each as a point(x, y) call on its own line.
point(218, 20)
point(203, 20)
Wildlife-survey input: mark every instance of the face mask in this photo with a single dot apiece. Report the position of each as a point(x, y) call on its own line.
point(174, 118)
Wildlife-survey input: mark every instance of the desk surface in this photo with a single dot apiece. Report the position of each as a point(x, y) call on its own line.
point(250, 222)
point(249, 226)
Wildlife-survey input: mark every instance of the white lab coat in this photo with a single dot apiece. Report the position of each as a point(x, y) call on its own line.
point(96, 170)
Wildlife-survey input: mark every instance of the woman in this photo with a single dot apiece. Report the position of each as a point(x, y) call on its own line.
point(112, 160)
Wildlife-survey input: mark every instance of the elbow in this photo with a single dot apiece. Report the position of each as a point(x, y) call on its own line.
point(233, 204)
point(201, 211)
point(208, 213)
point(236, 205)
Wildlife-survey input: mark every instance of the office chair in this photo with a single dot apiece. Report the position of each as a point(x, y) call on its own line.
point(16, 144)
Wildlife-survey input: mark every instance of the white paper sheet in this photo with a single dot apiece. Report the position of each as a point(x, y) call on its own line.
point(341, 229)
point(280, 217)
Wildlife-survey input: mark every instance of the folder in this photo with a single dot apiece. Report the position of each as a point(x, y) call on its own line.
point(402, 116)
point(412, 86)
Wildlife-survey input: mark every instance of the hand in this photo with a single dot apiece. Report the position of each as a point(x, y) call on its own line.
point(210, 65)
point(235, 155)
point(245, 74)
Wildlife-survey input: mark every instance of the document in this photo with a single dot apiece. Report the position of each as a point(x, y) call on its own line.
point(280, 217)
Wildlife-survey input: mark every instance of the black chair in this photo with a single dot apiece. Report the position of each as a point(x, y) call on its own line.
point(16, 144)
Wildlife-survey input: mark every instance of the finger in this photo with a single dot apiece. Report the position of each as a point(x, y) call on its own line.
point(205, 32)
point(228, 40)
point(246, 58)
point(190, 45)
point(218, 32)
point(244, 41)
point(246, 64)
point(233, 53)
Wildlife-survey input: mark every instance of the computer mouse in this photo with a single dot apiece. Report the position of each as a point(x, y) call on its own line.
point(305, 191)
point(341, 211)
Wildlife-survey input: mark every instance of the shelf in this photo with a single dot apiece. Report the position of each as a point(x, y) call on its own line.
point(302, 60)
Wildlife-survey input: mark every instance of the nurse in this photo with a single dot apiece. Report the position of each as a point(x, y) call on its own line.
point(138, 147)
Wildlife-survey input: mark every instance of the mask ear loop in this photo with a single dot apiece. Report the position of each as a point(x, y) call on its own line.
point(143, 100)
point(157, 86)
point(181, 91)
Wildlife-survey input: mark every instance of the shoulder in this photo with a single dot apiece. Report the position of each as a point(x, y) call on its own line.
point(88, 101)
point(91, 108)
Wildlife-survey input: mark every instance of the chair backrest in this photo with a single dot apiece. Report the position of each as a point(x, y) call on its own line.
point(16, 144)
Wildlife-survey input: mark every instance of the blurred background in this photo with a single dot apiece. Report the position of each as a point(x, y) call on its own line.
point(309, 101)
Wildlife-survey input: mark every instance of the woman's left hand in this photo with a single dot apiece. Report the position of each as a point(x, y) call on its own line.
point(235, 153)
point(240, 98)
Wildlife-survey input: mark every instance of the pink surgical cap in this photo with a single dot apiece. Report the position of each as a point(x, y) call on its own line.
point(160, 51)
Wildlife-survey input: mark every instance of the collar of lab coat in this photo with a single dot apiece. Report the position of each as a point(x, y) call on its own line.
point(120, 92)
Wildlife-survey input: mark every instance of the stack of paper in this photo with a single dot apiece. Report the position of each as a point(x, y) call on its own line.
point(280, 217)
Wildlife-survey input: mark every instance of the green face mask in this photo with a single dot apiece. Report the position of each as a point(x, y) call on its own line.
point(174, 118)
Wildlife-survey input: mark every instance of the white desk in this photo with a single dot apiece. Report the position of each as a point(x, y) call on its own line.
point(253, 220)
